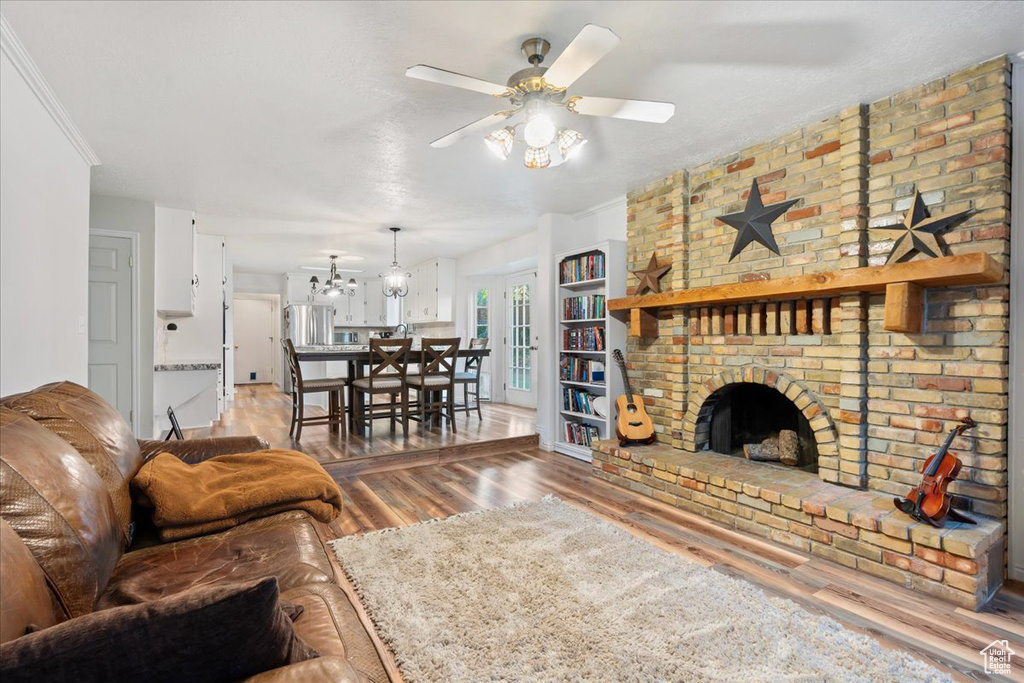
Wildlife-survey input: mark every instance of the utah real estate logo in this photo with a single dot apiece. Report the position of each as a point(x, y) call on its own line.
point(997, 657)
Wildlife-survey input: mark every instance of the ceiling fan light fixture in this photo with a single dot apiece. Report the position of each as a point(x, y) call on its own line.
point(570, 142)
point(500, 142)
point(537, 157)
point(539, 131)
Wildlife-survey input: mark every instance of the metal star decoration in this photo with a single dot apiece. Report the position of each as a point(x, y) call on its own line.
point(650, 275)
point(755, 222)
point(917, 233)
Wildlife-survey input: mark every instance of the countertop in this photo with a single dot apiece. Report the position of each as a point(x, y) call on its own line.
point(192, 365)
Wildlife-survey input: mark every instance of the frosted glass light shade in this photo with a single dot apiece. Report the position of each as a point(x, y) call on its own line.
point(539, 131)
point(537, 157)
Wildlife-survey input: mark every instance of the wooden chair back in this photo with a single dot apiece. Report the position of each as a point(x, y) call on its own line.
point(473, 363)
point(438, 357)
point(294, 369)
point(389, 359)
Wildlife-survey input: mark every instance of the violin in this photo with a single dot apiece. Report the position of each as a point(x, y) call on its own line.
point(929, 501)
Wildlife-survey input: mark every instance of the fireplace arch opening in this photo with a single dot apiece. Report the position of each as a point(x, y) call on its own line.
point(757, 422)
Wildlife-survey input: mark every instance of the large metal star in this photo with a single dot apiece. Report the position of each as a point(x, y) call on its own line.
point(650, 275)
point(755, 222)
point(917, 233)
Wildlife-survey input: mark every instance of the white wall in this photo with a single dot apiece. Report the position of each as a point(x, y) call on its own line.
point(257, 283)
point(134, 216)
point(488, 267)
point(44, 232)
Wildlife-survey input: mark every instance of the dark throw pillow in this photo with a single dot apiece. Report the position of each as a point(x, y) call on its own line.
point(213, 634)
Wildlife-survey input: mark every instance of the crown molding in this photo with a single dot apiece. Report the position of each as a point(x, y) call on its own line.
point(598, 208)
point(15, 51)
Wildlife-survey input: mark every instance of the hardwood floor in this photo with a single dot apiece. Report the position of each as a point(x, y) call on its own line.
point(946, 636)
point(261, 409)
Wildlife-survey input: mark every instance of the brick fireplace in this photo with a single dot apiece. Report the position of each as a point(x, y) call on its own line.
point(875, 403)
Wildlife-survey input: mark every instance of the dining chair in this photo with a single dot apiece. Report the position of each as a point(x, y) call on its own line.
point(334, 386)
point(435, 382)
point(469, 377)
point(388, 365)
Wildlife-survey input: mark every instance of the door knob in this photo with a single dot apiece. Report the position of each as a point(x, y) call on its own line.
point(533, 348)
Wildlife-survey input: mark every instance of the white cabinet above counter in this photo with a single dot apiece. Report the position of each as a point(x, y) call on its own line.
point(176, 262)
point(431, 292)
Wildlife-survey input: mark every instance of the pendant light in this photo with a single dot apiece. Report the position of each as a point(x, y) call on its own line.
point(394, 283)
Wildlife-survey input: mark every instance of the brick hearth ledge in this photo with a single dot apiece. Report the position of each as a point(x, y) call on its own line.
point(960, 563)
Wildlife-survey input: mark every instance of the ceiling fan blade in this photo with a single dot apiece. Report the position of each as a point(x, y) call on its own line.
point(586, 49)
point(635, 110)
point(434, 75)
point(482, 124)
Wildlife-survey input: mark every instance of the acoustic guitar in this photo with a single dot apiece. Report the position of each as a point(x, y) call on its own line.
point(632, 423)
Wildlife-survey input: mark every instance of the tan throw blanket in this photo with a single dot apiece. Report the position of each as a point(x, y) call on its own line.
point(222, 492)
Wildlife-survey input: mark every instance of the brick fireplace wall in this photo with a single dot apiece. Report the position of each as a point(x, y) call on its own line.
point(886, 399)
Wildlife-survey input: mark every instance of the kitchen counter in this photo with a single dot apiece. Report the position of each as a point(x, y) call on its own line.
point(179, 367)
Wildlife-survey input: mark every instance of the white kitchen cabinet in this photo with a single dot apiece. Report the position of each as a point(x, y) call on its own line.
point(350, 311)
point(431, 292)
point(380, 311)
point(175, 278)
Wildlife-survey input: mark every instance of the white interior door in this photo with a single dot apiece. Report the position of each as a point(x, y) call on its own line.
point(110, 321)
point(520, 341)
point(254, 341)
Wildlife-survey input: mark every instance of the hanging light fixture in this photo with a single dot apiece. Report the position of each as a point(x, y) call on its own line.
point(394, 283)
point(537, 157)
point(334, 285)
point(500, 141)
point(570, 142)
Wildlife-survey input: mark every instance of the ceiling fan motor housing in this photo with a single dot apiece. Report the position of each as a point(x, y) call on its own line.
point(535, 50)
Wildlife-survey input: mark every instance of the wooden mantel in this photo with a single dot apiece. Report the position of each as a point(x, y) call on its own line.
point(902, 283)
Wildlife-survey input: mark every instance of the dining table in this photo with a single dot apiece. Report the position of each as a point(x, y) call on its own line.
point(357, 356)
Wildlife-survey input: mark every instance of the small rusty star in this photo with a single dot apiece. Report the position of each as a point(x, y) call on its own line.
point(917, 232)
point(650, 275)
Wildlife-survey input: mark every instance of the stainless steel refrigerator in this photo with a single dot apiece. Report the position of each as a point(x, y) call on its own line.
point(310, 324)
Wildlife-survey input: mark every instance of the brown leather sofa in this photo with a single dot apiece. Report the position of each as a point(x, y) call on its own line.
point(71, 541)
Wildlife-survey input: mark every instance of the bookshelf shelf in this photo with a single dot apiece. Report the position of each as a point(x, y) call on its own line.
point(587, 278)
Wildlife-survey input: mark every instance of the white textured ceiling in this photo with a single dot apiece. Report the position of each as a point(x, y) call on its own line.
point(291, 127)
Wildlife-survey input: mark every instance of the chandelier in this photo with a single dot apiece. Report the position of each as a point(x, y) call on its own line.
point(394, 283)
point(334, 285)
point(541, 136)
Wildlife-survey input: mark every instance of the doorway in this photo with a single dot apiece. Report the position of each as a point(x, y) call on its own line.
point(520, 341)
point(255, 332)
point(113, 298)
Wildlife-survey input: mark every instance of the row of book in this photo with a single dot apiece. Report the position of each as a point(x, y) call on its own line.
point(587, 338)
point(578, 401)
point(581, 434)
point(583, 268)
point(583, 307)
point(574, 369)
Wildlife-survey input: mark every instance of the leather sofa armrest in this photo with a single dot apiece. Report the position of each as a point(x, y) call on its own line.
point(198, 450)
point(333, 669)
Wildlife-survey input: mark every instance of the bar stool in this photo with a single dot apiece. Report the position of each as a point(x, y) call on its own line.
point(470, 376)
point(436, 379)
point(334, 386)
point(389, 362)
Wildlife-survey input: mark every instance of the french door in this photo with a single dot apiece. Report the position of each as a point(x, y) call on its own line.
point(520, 341)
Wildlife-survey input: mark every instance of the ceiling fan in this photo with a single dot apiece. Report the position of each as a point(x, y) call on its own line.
point(536, 91)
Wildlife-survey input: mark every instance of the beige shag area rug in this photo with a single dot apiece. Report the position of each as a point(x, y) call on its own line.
point(546, 592)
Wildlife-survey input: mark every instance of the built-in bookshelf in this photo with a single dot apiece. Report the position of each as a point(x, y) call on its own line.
point(586, 336)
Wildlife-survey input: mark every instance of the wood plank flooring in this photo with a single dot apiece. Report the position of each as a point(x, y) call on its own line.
point(262, 410)
point(947, 637)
